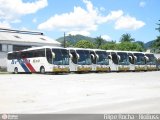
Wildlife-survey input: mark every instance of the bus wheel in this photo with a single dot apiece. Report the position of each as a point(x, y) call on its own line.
point(42, 70)
point(15, 70)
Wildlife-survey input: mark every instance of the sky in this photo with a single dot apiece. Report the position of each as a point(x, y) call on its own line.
point(106, 18)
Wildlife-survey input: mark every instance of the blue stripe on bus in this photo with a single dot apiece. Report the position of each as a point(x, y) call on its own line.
point(23, 66)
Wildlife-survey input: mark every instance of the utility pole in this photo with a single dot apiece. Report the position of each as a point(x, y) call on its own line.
point(64, 40)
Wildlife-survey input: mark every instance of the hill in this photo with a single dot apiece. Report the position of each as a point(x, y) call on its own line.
point(148, 44)
point(73, 39)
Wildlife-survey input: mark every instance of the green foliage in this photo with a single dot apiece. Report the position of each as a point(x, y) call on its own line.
point(109, 46)
point(126, 38)
point(71, 40)
point(84, 44)
point(129, 46)
point(156, 43)
point(99, 41)
point(88, 42)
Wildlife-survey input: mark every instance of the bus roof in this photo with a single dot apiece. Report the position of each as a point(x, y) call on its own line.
point(36, 48)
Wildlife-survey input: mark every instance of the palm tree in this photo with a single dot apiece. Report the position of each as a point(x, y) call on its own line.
point(126, 38)
point(99, 41)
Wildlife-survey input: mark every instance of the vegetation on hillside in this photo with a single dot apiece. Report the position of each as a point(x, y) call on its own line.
point(126, 42)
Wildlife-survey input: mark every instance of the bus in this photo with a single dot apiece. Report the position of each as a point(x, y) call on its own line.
point(118, 60)
point(38, 59)
point(139, 61)
point(100, 61)
point(151, 62)
point(131, 60)
point(80, 60)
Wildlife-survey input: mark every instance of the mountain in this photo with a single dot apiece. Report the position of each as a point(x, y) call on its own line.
point(73, 39)
point(148, 44)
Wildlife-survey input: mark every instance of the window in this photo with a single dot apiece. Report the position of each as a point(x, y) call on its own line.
point(19, 47)
point(43, 39)
point(49, 55)
point(16, 36)
point(14, 55)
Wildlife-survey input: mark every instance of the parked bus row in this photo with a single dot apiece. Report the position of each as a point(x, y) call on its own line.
point(64, 60)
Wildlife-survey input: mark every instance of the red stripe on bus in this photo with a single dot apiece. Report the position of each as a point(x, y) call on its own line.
point(29, 65)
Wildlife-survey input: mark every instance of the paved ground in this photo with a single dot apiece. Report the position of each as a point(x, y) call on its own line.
point(135, 92)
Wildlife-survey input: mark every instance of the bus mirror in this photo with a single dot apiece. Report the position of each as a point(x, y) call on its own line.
point(53, 55)
point(130, 57)
point(78, 56)
point(97, 56)
point(146, 58)
point(70, 55)
point(109, 57)
point(119, 57)
point(92, 56)
point(135, 57)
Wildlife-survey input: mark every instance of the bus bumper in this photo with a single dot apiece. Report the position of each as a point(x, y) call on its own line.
point(61, 69)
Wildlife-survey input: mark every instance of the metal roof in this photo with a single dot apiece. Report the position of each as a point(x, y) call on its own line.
point(26, 36)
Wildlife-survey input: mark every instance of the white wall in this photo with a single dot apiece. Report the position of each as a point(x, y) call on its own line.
point(3, 59)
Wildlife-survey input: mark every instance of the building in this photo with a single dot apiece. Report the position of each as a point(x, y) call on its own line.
point(13, 40)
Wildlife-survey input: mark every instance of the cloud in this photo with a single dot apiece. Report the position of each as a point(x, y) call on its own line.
point(80, 32)
point(106, 37)
point(4, 24)
point(128, 22)
point(34, 20)
point(80, 20)
point(142, 4)
point(12, 10)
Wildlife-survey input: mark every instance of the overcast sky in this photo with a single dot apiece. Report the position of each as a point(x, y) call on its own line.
point(108, 18)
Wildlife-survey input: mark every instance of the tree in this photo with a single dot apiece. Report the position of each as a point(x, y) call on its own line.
point(126, 38)
point(130, 46)
point(99, 41)
point(156, 43)
point(109, 46)
point(84, 44)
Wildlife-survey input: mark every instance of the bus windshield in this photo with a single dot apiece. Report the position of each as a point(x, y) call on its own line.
point(84, 57)
point(61, 57)
point(140, 60)
point(103, 58)
point(151, 59)
point(123, 58)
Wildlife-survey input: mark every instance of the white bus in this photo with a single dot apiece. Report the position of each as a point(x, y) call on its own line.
point(151, 62)
point(131, 60)
point(139, 61)
point(118, 60)
point(80, 60)
point(100, 61)
point(38, 59)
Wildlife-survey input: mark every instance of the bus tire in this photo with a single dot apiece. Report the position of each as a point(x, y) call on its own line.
point(15, 70)
point(42, 70)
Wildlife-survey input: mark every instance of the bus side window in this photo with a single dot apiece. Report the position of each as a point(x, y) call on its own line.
point(114, 58)
point(49, 55)
point(74, 58)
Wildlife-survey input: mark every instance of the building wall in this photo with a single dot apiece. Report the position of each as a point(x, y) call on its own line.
point(3, 59)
